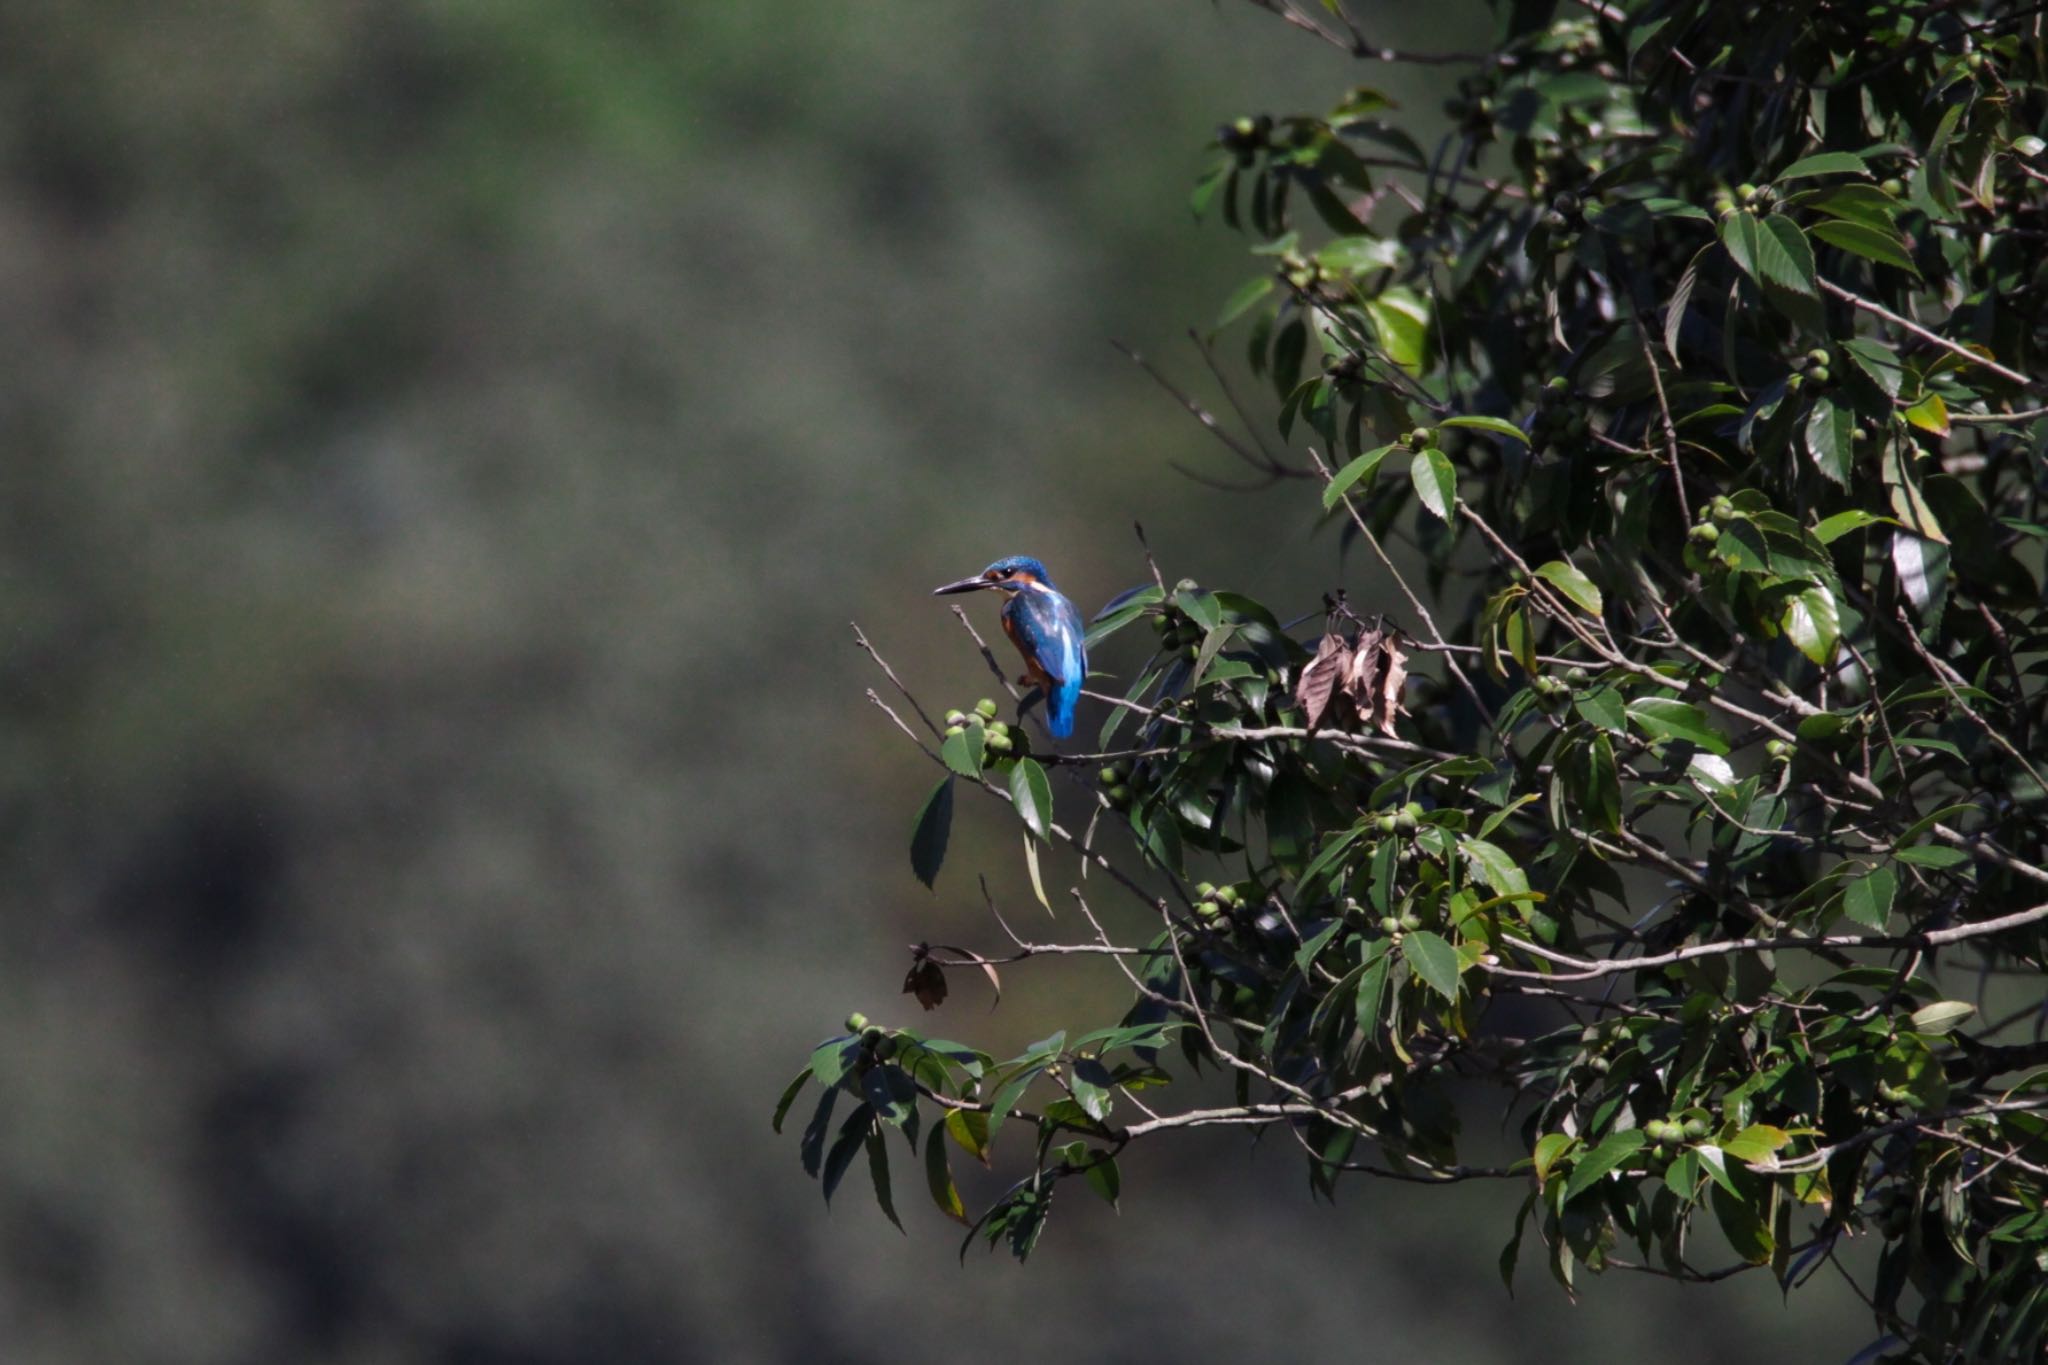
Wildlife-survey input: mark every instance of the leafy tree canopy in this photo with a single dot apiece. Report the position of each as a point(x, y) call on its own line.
point(1696, 790)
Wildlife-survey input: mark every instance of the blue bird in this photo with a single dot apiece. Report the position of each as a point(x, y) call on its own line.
point(1045, 628)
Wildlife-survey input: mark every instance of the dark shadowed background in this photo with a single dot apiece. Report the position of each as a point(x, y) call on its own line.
point(444, 445)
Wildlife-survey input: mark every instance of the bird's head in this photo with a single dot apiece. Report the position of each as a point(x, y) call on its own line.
point(1012, 574)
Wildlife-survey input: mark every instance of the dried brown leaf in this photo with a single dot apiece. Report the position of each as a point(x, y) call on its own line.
point(1362, 674)
point(927, 981)
point(1393, 677)
point(1319, 678)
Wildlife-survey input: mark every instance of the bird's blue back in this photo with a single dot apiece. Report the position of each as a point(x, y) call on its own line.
point(1049, 631)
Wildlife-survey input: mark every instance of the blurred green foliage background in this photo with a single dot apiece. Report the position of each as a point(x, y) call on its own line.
point(445, 444)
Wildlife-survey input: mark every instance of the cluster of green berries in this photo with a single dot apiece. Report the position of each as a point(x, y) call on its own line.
point(1554, 422)
point(1552, 694)
point(1406, 820)
point(1667, 1135)
point(1759, 197)
point(1706, 533)
point(1212, 900)
point(1245, 137)
point(1563, 219)
point(1178, 633)
point(1116, 785)
point(1811, 369)
point(877, 1044)
point(1394, 926)
point(997, 736)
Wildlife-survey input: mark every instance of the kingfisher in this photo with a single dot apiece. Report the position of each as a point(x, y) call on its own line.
point(1044, 626)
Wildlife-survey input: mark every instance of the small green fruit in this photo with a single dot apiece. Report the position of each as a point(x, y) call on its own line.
point(1819, 374)
point(1411, 921)
point(1385, 824)
point(1893, 187)
point(1389, 925)
point(1405, 823)
point(986, 707)
point(1819, 356)
point(1119, 796)
point(1694, 1129)
point(1721, 509)
point(856, 1022)
point(956, 718)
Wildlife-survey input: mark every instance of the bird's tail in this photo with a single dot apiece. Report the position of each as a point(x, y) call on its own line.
point(1059, 708)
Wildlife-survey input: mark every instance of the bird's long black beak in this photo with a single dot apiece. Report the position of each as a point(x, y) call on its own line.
point(964, 585)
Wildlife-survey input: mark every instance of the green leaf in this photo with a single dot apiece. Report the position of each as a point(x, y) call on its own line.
point(1830, 440)
point(1943, 1016)
point(1602, 794)
point(853, 1135)
point(1825, 163)
point(1493, 424)
point(890, 1093)
point(1771, 251)
point(1372, 989)
point(1664, 718)
point(1434, 960)
point(789, 1094)
point(1400, 319)
point(1756, 1142)
point(938, 1178)
point(1842, 523)
point(1549, 1148)
point(1573, 584)
point(1436, 483)
point(1613, 1150)
point(1491, 864)
point(1103, 1178)
point(878, 1171)
point(1868, 899)
point(812, 1148)
point(1813, 624)
point(1032, 794)
point(1244, 300)
point(1883, 245)
point(1601, 704)
point(1879, 362)
point(1201, 606)
point(934, 826)
point(963, 751)
point(1930, 414)
point(1359, 470)
point(1743, 1226)
point(1932, 855)
point(1849, 202)
point(1120, 611)
point(834, 1057)
point(1031, 866)
point(969, 1128)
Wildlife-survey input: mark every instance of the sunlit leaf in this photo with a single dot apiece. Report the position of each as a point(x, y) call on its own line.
point(1436, 483)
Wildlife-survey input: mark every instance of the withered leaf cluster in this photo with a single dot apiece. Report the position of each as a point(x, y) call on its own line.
point(1354, 682)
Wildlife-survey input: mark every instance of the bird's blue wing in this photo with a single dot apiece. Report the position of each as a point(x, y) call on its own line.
point(1053, 628)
